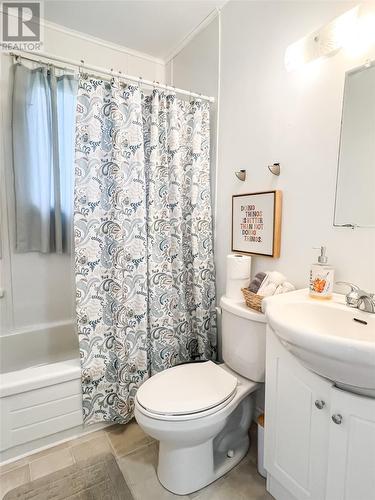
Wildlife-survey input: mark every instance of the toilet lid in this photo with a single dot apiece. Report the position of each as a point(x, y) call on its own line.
point(189, 388)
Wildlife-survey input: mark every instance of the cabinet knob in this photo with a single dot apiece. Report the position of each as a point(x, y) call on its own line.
point(320, 404)
point(337, 418)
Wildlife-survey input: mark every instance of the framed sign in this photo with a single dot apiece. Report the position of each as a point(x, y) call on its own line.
point(256, 223)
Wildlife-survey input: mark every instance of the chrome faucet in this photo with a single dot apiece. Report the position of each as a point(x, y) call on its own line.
point(358, 298)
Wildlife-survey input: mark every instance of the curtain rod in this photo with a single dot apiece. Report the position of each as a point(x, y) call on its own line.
point(35, 56)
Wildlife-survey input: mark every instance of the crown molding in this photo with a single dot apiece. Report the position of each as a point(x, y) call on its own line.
point(125, 50)
point(99, 41)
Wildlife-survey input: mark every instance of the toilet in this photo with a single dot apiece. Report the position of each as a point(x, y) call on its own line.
point(201, 412)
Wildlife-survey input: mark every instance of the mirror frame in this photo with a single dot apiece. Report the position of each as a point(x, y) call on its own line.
point(357, 69)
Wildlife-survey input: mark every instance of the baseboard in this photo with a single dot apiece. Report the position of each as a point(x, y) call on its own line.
point(24, 450)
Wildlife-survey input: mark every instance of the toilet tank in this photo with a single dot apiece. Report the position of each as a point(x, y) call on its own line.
point(243, 333)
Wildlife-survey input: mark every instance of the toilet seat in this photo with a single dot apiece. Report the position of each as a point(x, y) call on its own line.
point(184, 417)
point(187, 391)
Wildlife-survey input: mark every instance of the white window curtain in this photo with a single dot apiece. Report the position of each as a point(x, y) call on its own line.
point(43, 133)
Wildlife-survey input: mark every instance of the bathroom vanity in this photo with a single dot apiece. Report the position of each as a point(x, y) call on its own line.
point(319, 437)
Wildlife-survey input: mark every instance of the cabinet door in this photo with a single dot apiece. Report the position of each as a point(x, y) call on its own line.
point(296, 430)
point(351, 457)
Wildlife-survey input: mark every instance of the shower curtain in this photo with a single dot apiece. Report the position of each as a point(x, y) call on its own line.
point(143, 241)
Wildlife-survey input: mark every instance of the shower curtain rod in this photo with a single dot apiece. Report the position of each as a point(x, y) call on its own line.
point(35, 56)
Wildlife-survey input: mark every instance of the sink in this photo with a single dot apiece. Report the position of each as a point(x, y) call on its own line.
point(328, 338)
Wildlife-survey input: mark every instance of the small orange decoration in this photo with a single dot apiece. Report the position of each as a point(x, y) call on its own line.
point(319, 285)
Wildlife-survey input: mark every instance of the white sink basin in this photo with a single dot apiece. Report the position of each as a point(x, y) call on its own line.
point(327, 338)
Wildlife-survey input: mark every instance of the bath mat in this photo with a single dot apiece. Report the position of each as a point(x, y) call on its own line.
point(98, 478)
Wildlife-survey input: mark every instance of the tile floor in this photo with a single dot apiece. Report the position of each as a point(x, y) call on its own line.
point(136, 454)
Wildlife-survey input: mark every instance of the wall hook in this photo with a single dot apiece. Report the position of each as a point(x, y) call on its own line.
point(274, 169)
point(241, 175)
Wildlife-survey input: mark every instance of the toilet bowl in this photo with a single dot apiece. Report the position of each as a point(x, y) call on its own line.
point(201, 412)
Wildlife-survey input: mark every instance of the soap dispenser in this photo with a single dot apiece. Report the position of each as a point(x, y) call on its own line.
point(321, 277)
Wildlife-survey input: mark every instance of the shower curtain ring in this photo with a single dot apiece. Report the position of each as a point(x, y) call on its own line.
point(80, 67)
point(122, 82)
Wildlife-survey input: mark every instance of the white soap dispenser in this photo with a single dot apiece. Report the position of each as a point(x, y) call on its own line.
point(321, 277)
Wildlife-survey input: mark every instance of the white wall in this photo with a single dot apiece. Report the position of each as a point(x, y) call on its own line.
point(268, 115)
point(38, 289)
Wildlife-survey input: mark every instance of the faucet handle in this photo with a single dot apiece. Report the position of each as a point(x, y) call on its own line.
point(368, 302)
point(353, 287)
point(352, 297)
point(358, 298)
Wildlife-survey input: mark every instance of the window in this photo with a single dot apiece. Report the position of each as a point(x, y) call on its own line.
point(43, 135)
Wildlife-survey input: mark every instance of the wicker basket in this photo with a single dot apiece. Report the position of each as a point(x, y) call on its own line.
point(252, 300)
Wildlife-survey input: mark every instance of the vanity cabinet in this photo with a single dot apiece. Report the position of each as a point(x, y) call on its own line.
point(296, 429)
point(319, 440)
point(351, 451)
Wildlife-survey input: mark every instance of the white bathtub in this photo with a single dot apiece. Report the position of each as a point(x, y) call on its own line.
point(40, 390)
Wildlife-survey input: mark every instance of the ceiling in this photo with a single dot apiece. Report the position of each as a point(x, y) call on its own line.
point(156, 27)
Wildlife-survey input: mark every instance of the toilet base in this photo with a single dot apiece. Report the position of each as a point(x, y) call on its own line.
point(183, 470)
point(192, 475)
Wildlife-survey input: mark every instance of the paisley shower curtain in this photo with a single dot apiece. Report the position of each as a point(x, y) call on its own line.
point(143, 241)
point(180, 264)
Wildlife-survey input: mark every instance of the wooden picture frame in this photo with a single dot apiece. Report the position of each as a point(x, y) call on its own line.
point(256, 223)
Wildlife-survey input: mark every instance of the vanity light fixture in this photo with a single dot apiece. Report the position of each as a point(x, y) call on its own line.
point(324, 42)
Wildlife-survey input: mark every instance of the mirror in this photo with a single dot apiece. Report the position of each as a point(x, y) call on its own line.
point(355, 186)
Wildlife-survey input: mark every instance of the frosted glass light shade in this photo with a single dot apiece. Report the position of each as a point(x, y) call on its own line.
point(323, 42)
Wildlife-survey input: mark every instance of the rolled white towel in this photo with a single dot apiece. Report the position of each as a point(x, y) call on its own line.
point(284, 288)
point(272, 278)
point(267, 291)
point(276, 278)
point(288, 287)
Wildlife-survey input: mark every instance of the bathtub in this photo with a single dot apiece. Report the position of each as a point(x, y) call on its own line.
point(40, 390)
